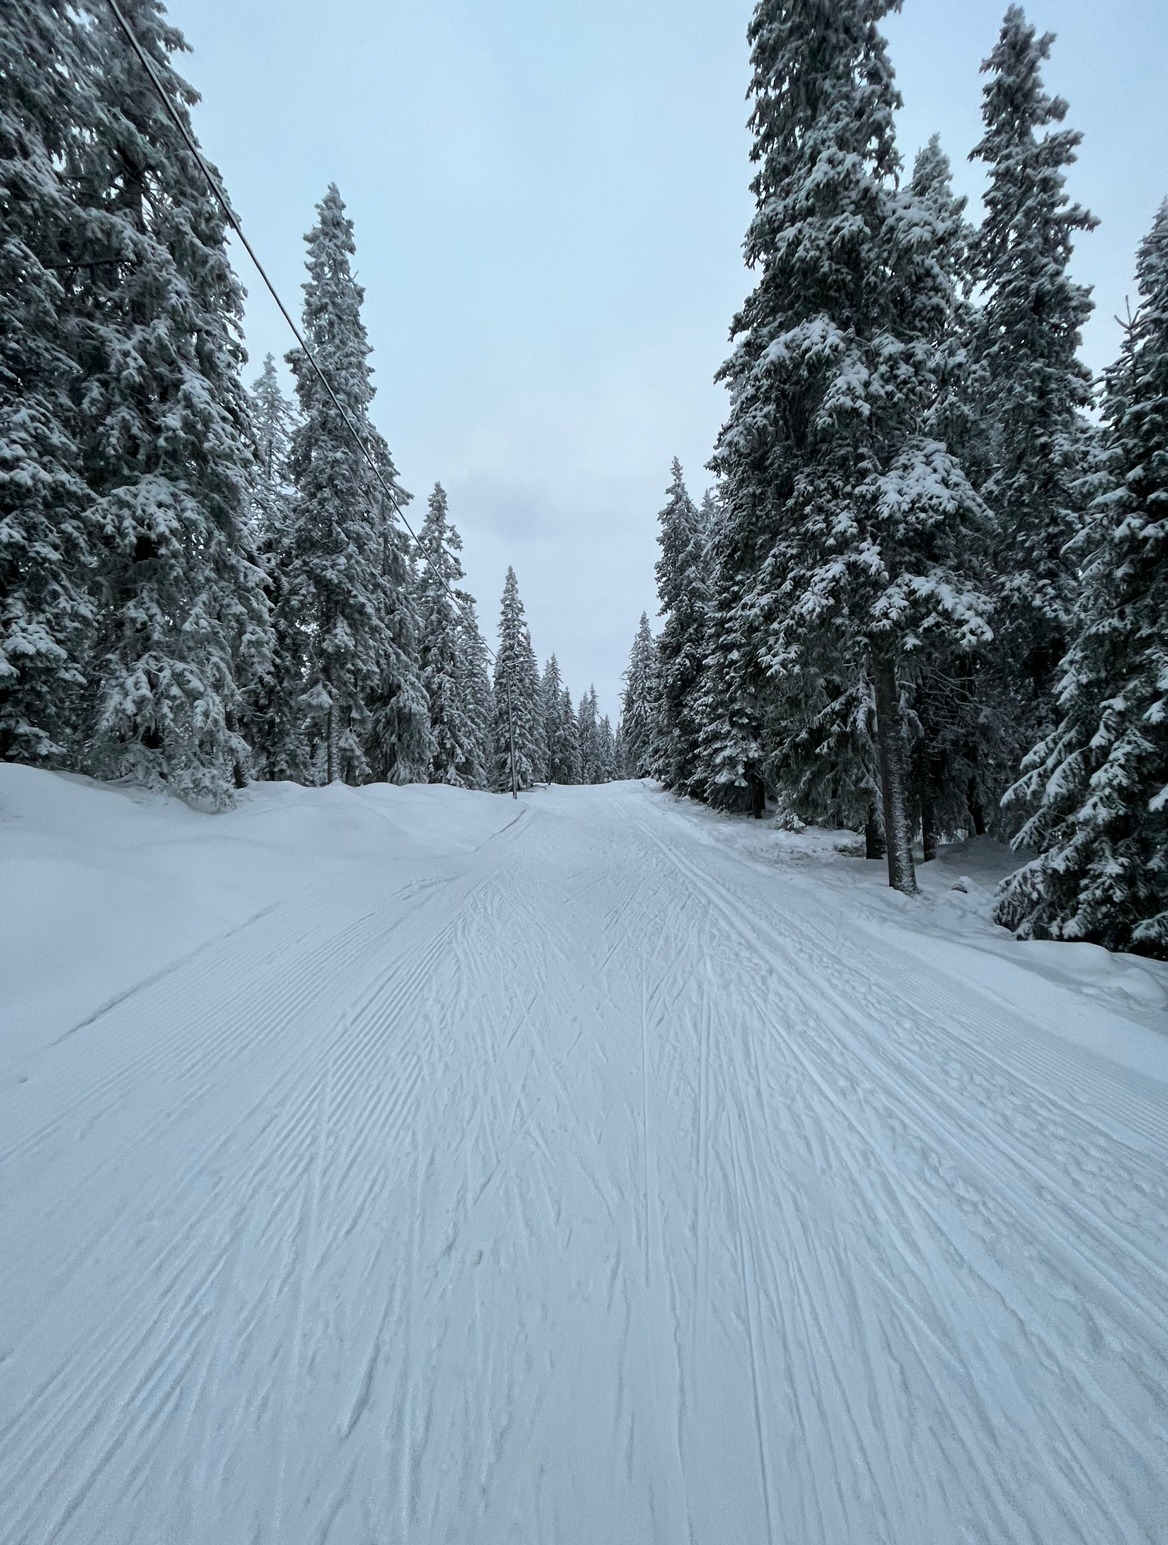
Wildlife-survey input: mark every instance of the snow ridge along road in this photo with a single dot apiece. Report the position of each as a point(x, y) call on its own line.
point(581, 1181)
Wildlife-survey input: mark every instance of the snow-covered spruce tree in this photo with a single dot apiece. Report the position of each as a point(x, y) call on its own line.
point(731, 696)
point(591, 747)
point(818, 735)
point(515, 692)
point(568, 742)
point(639, 704)
point(1036, 389)
point(529, 681)
point(399, 744)
point(183, 623)
point(1101, 778)
point(848, 516)
point(608, 768)
point(559, 741)
point(474, 681)
point(441, 637)
point(682, 595)
point(46, 538)
point(547, 708)
point(957, 763)
point(273, 421)
point(341, 567)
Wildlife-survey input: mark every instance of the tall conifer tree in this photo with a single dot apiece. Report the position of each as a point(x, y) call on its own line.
point(568, 742)
point(273, 420)
point(559, 743)
point(341, 556)
point(515, 695)
point(529, 686)
point(163, 425)
point(1100, 779)
point(591, 739)
point(399, 747)
point(452, 750)
point(607, 766)
point(1026, 344)
point(478, 699)
point(47, 543)
point(683, 593)
point(846, 511)
point(639, 705)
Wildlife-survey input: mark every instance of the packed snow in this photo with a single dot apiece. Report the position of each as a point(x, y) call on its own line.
point(407, 1164)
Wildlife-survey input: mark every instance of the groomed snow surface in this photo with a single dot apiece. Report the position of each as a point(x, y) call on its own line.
point(413, 1165)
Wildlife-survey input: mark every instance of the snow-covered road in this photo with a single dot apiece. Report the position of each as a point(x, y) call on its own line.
point(590, 1184)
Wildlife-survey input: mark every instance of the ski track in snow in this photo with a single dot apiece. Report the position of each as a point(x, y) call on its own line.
point(596, 1188)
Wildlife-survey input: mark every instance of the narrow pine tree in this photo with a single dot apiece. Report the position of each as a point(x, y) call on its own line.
point(1100, 778)
point(1036, 389)
point(731, 693)
point(399, 741)
point(515, 692)
point(561, 736)
point(163, 425)
point(341, 564)
point(682, 592)
point(568, 741)
point(452, 751)
point(47, 542)
point(591, 744)
point(957, 751)
point(478, 699)
point(273, 421)
point(529, 687)
point(607, 768)
point(639, 703)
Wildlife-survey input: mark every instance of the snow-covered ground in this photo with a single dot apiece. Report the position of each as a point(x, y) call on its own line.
point(408, 1165)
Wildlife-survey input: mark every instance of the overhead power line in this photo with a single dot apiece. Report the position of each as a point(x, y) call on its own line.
point(225, 204)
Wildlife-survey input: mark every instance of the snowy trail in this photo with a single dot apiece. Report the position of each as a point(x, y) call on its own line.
point(597, 1185)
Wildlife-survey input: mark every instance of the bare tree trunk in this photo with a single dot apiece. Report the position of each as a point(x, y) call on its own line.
point(890, 743)
point(873, 836)
point(928, 834)
point(928, 811)
point(757, 795)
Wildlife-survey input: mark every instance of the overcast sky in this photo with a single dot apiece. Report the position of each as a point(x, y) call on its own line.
point(549, 204)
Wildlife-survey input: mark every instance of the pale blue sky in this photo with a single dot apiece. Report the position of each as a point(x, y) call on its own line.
point(550, 203)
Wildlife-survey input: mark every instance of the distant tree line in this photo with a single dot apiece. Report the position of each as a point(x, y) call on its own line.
point(928, 593)
point(201, 584)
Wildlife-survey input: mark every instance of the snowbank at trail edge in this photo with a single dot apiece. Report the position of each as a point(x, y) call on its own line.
point(1116, 1005)
point(104, 887)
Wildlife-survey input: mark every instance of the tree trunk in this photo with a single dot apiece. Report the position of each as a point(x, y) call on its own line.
point(873, 836)
point(757, 795)
point(890, 742)
point(976, 810)
point(928, 812)
point(928, 836)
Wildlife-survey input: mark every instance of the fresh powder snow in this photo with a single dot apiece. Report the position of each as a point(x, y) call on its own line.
point(412, 1164)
